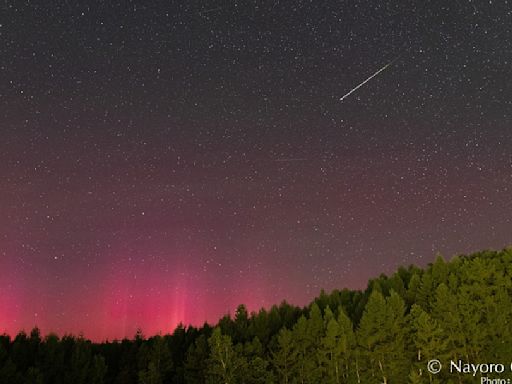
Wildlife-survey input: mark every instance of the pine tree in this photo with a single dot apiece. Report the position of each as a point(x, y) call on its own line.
point(20, 352)
point(196, 361)
point(150, 375)
point(413, 289)
point(253, 348)
point(398, 357)
point(381, 337)
point(347, 343)
point(258, 372)
point(328, 316)
point(9, 374)
point(331, 352)
point(446, 311)
point(224, 362)
point(98, 370)
point(259, 326)
point(241, 324)
point(498, 345)
point(301, 349)
point(430, 340)
point(52, 359)
point(370, 335)
point(80, 361)
point(284, 358)
point(397, 284)
point(315, 332)
point(155, 361)
point(481, 288)
point(426, 291)
point(440, 271)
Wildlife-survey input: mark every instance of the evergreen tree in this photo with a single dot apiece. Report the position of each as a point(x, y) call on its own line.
point(241, 323)
point(347, 342)
point(52, 361)
point(430, 340)
point(150, 375)
point(426, 290)
point(259, 326)
point(411, 295)
point(284, 358)
point(9, 374)
point(396, 284)
point(224, 362)
point(498, 344)
point(301, 349)
point(20, 353)
point(381, 337)
point(98, 370)
point(399, 358)
point(258, 372)
point(446, 311)
point(331, 353)
point(253, 349)
point(155, 360)
point(315, 332)
point(196, 361)
point(80, 361)
point(370, 335)
point(328, 316)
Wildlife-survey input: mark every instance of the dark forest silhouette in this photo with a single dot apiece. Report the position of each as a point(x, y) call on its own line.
point(457, 310)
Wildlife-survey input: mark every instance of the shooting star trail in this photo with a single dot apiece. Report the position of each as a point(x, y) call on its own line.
point(210, 10)
point(368, 79)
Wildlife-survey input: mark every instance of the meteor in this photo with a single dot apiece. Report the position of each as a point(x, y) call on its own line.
point(368, 79)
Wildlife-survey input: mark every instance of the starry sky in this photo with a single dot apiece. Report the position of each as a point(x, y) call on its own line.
point(165, 161)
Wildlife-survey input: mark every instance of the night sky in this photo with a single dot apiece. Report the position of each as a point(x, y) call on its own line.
point(165, 161)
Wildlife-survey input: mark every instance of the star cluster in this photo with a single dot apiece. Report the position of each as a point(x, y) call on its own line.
point(165, 161)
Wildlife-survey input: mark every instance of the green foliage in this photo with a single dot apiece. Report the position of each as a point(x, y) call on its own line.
point(80, 362)
point(460, 309)
point(381, 339)
point(225, 363)
point(331, 352)
point(196, 361)
point(284, 357)
point(154, 361)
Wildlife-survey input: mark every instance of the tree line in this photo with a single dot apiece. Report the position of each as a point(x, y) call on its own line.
point(457, 310)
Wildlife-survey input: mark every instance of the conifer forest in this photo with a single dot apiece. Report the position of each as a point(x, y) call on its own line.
point(458, 311)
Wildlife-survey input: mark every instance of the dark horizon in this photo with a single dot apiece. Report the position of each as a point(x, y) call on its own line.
point(231, 312)
point(416, 326)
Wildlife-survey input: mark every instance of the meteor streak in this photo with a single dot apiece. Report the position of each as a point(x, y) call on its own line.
point(368, 79)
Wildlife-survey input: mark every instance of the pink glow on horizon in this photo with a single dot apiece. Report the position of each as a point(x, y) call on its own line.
point(113, 300)
point(12, 295)
point(10, 305)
